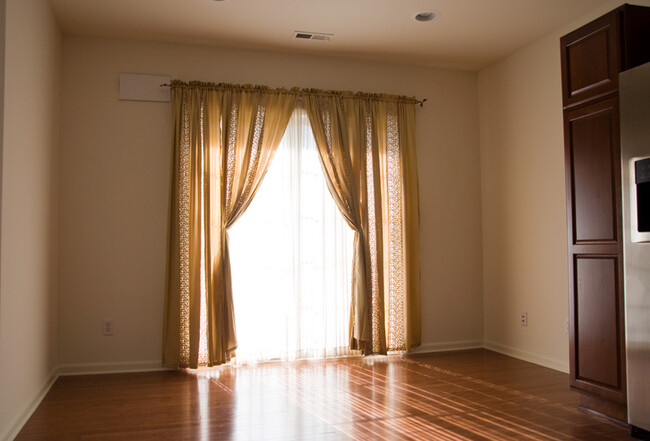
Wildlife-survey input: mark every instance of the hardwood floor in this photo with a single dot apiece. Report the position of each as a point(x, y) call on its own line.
point(455, 396)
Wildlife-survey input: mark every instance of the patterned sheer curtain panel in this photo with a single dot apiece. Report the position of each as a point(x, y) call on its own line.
point(224, 140)
point(367, 148)
point(225, 137)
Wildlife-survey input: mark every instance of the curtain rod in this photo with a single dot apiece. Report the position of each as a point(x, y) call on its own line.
point(295, 89)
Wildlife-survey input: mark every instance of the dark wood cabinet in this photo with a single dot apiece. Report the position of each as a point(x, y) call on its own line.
point(592, 164)
point(590, 60)
point(592, 57)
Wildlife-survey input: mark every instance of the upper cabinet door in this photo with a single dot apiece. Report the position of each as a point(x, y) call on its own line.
point(593, 173)
point(590, 60)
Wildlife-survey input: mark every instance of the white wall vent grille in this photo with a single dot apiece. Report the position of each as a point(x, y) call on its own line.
point(302, 35)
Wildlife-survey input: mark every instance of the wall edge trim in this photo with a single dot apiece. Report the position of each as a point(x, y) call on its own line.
point(558, 365)
point(110, 368)
point(447, 346)
point(16, 426)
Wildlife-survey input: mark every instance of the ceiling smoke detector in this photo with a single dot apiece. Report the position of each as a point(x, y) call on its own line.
point(302, 35)
point(426, 16)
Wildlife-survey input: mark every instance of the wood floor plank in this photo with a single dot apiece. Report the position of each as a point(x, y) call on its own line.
point(458, 396)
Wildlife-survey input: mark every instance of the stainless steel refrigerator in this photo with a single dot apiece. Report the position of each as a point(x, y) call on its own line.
point(634, 95)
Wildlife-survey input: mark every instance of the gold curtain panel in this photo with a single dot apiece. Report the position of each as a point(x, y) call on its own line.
point(225, 137)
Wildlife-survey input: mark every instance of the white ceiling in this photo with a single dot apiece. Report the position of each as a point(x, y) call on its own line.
point(468, 34)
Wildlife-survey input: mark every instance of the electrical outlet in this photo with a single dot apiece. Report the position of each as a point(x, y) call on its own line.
point(524, 319)
point(108, 327)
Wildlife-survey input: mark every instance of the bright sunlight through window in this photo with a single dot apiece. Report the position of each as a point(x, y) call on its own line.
point(291, 260)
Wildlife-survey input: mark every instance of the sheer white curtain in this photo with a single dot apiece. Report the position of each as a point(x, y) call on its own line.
point(291, 260)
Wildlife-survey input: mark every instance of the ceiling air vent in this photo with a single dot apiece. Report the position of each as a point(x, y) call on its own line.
point(301, 35)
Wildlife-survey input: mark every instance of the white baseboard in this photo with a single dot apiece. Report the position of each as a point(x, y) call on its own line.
point(550, 363)
point(447, 346)
point(15, 427)
point(111, 368)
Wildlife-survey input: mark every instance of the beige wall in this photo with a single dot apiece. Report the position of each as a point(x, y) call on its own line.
point(114, 184)
point(523, 193)
point(28, 285)
point(524, 231)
